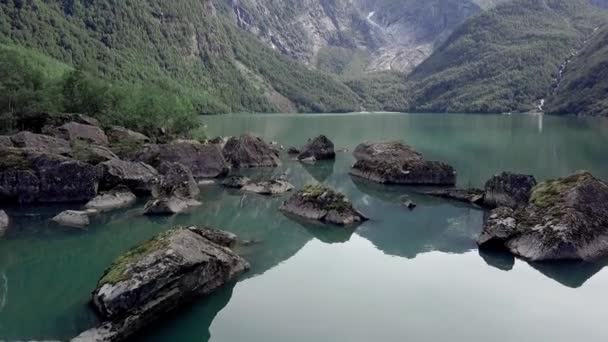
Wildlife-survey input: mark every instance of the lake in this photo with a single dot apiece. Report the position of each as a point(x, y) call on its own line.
point(403, 276)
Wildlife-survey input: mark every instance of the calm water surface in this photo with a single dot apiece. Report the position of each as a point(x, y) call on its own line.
point(403, 276)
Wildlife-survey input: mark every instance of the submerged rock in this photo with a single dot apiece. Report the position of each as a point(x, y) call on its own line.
point(508, 190)
point(41, 142)
point(140, 177)
point(397, 163)
point(117, 198)
point(203, 160)
point(73, 218)
point(4, 222)
point(249, 151)
point(29, 176)
point(318, 202)
point(319, 148)
point(159, 276)
point(74, 131)
point(271, 187)
point(236, 182)
point(565, 219)
point(474, 196)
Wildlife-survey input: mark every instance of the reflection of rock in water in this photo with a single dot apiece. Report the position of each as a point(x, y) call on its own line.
point(570, 273)
point(3, 291)
point(321, 170)
point(499, 259)
point(323, 232)
point(435, 225)
point(195, 319)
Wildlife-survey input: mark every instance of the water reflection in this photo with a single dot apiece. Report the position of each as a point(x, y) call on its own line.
point(320, 170)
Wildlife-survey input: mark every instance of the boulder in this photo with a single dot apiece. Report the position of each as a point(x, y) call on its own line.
point(43, 122)
point(508, 190)
point(320, 203)
point(73, 218)
point(117, 198)
point(319, 148)
point(5, 141)
point(140, 177)
point(397, 163)
point(270, 188)
point(92, 154)
point(203, 160)
point(167, 206)
point(410, 204)
point(474, 196)
point(43, 143)
point(4, 222)
point(74, 131)
point(565, 219)
point(293, 151)
point(121, 135)
point(29, 176)
point(160, 276)
point(248, 151)
point(236, 182)
point(177, 181)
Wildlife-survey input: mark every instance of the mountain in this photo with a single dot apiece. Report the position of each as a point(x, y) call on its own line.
point(583, 85)
point(505, 59)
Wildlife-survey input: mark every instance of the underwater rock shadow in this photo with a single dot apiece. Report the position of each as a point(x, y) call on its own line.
point(320, 170)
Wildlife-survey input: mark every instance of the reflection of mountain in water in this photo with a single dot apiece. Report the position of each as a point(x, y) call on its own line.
point(435, 225)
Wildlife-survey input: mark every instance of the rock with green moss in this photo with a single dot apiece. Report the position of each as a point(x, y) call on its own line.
point(565, 219)
point(397, 163)
point(159, 276)
point(321, 203)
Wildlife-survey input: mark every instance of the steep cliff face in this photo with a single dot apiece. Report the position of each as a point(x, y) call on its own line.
point(375, 35)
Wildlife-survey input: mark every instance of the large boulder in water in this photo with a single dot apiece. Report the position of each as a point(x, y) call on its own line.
point(508, 190)
point(117, 198)
point(41, 142)
point(319, 148)
point(74, 131)
point(176, 192)
point(29, 176)
point(269, 188)
point(320, 203)
point(73, 218)
point(140, 177)
point(249, 151)
point(397, 163)
point(203, 160)
point(566, 219)
point(160, 276)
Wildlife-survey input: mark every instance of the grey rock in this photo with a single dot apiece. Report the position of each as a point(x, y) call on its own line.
point(121, 135)
point(397, 163)
point(167, 206)
point(565, 219)
point(41, 142)
point(249, 151)
point(508, 190)
point(410, 204)
point(73, 218)
point(203, 160)
point(29, 176)
point(5, 141)
point(270, 188)
point(177, 181)
point(117, 198)
point(140, 177)
point(74, 131)
point(319, 148)
point(158, 277)
point(474, 196)
point(320, 203)
point(293, 151)
point(91, 154)
point(4, 222)
point(236, 182)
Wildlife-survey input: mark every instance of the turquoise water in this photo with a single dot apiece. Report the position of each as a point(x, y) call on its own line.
point(403, 276)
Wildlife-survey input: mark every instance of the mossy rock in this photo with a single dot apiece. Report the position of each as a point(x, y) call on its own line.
point(14, 160)
point(549, 193)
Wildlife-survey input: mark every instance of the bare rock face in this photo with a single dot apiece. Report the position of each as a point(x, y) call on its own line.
point(73, 218)
point(117, 198)
point(319, 148)
point(397, 163)
point(4, 222)
point(269, 188)
point(74, 131)
point(43, 143)
point(509, 190)
point(30, 176)
point(159, 276)
point(140, 177)
point(249, 151)
point(565, 219)
point(320, 203)
point(203, 160)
